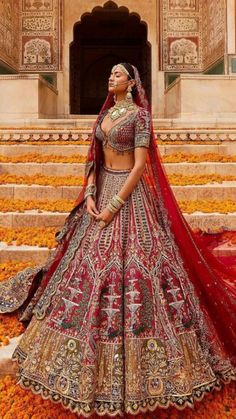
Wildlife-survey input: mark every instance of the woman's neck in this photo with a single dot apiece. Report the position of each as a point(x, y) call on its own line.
point(120, 98)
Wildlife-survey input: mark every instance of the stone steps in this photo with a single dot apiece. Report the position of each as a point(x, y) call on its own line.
point(59, 150)
point(6, 366)
point(56, 219)
point(47, 169)
point(39, 192)
point(39, 255)
point(71, 149)
point(226, 190)
point(33, 218)
point(203, 168)
point(23, 253)
point(77, 169)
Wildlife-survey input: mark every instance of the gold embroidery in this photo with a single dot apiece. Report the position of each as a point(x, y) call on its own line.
point(122, 330)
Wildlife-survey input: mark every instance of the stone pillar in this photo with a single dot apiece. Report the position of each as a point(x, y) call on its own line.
point(231, 37)
point(159, 110)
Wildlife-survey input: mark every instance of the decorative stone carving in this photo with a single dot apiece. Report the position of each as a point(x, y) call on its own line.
point(36, 5)
point(191, 5)
point(181, 42)
point(9, 32)
point(37, 23)
point(181, 24)
point(183, 51)
point(213, 31)
point(37, 51)
point(199, 21)
point(40, 46)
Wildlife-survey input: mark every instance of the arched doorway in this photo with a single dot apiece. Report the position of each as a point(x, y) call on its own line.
point(108, 35)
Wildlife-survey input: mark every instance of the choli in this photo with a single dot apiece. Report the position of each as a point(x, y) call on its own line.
point(130, 132)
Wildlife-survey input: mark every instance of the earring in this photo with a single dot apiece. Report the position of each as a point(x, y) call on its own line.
point(129, 96)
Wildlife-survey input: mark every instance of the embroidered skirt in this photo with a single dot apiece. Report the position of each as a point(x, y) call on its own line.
point(122, 330)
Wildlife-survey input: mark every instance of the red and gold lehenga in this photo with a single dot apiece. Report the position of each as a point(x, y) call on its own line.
point(136, 316)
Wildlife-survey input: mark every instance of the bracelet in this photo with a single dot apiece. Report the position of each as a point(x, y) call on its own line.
point(90, 190)
point(115, 204)
point(119, 199)
point(111, 208)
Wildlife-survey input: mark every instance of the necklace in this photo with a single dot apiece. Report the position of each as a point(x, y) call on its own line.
point(120, 109)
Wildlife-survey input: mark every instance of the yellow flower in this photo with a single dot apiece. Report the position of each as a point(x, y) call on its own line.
point(31, 236)
point(182, 180)
point(39, 179)
point(223, 207)
point(12, 205)
point(197, 158)
point(42, 158)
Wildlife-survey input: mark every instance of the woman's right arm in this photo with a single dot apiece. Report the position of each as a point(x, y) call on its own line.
point(91, 206)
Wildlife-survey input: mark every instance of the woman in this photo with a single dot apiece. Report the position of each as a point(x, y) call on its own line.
point(132, 312)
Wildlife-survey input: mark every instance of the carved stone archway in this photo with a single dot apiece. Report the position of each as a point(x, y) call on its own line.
point(107, 35)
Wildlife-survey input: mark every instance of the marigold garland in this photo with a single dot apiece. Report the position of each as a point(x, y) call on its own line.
point(9, 269)
point(178, 179)
point(39, 179)
point(19, 205)
point(170, 158)
point(23, 404)
point(10, 327)
point(64, 206)
point(37, 236)
point(224, 206)
point(42, 158)
point(198, 158)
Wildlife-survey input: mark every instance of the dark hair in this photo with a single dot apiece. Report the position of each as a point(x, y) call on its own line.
point(130, 69)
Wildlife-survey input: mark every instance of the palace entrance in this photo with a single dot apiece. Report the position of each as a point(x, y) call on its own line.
point(108, 35)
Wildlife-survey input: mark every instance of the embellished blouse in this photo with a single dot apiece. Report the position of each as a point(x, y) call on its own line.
point(130, 132)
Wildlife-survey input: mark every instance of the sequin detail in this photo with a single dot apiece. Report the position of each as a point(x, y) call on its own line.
point(130, 132)
point(120, 328)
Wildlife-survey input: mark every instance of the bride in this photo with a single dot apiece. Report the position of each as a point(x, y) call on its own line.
point(132, 312)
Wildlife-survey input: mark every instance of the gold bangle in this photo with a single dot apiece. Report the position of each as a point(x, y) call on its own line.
point(111, 208)
point(119, 199)
point(115, 203)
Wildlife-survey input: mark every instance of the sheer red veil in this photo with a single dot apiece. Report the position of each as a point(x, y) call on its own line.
point(214, 282)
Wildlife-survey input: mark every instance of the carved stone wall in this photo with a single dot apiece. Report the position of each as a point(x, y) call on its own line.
point(9, 32)
point(181, 40)
point(40, 35)
point(213, 31)
point(192, 34)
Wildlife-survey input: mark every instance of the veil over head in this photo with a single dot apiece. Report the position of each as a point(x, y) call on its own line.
point(214, 281)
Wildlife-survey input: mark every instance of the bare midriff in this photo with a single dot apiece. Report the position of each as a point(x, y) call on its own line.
point(115, 160)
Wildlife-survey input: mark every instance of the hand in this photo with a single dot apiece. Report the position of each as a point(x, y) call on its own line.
point(91, 206)
point(105, 215)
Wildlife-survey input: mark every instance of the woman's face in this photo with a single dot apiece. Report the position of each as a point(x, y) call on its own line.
point(118, 81)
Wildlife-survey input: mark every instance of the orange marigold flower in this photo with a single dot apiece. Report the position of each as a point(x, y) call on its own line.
point(31, 236)
point(197, 158)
